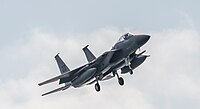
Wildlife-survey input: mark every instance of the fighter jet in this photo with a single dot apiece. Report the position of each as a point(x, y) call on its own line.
point(99, 69)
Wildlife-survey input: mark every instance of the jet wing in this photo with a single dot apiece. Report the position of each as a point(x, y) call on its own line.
point(56, 90)
point(64, 75)
point(54, 79)
point(117, 55)
point(108, 55)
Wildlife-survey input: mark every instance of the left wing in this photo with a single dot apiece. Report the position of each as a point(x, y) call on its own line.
point(62, 76)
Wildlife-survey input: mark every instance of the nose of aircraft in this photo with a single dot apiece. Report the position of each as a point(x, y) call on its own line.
point(142, 39)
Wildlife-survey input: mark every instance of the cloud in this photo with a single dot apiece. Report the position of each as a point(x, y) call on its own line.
point(168, 79)
point(187, 19)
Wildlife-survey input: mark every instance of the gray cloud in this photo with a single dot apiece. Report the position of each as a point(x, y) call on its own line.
point(168, 79)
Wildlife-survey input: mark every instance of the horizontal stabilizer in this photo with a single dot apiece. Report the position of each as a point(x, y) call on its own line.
point(56, 90)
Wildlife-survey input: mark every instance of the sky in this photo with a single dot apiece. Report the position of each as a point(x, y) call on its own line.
point(33, 32)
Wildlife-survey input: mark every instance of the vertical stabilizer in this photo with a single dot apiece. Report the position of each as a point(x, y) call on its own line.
point(90, 57)
point(62, 66)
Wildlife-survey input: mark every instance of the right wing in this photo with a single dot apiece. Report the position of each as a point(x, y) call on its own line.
point(56, 90)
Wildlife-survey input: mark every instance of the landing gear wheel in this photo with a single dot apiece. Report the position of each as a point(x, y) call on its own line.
point(121, 81)
point(97, 87)
point(131, 72)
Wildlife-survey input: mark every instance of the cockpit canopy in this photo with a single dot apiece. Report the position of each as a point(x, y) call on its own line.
point(125, 36)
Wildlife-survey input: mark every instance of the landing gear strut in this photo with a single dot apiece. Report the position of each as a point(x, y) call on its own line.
point(120, 80)
point(128, 65)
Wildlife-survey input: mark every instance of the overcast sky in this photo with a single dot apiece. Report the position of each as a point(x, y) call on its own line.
point(32, 32)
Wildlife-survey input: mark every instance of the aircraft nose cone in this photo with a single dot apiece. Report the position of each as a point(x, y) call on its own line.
point(146, 38)
point(142, 39)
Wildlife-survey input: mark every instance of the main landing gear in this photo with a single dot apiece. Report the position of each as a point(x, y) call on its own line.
point(128, 65)
point(120, 79)
point(97, 87)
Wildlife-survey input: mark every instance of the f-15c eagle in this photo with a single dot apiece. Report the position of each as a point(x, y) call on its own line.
point(122, 57)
